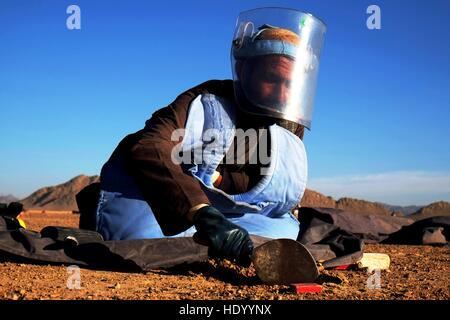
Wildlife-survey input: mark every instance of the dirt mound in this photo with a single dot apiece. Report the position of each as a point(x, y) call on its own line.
point(60, 197)
point(441, 208)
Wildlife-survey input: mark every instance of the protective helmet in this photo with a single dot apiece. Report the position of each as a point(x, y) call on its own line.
point(275, 61)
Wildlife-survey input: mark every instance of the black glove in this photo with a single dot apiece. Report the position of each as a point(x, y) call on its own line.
point(224, 238)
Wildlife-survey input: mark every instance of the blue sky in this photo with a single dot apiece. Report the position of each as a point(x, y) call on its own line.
point(381, 120)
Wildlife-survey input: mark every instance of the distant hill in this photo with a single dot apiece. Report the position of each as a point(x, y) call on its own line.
point(7, 198)
point(59, 197)
point(406, 210)
point(441, 208)
point(361, 206)
point(315, 199)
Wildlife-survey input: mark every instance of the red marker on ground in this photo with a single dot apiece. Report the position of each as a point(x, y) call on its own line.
point(306, 287)
point(343, 267)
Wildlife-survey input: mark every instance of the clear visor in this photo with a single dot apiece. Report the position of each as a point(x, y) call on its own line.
point(275, 58)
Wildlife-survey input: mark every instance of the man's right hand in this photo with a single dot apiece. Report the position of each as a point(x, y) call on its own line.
point(224, 238)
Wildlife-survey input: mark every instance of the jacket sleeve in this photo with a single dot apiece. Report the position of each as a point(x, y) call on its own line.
point(169, 190)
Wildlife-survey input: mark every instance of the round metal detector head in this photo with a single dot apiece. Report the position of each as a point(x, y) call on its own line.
point(284, 261)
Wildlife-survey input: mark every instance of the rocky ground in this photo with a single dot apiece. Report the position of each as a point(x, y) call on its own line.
point(416, 272)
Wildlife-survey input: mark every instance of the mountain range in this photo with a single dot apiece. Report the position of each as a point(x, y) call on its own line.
point(7, 198)
point(62, 197)
point(59, 197)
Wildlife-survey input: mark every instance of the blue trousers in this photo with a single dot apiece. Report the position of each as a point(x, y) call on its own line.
point(122, 218)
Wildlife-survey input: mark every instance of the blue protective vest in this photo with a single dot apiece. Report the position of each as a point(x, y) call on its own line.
point(264, 210)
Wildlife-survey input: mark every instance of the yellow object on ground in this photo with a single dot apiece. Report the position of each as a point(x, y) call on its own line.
point(22, 223)
point(375, 261)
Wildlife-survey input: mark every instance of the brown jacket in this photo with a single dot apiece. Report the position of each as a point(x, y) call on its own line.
point(169, 190)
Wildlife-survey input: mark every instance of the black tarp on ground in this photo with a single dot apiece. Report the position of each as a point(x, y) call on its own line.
point(332, 235)
point(130, 255)
point(338, 236)
point(318, 224)
point(49, 246)
point(434, 231)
